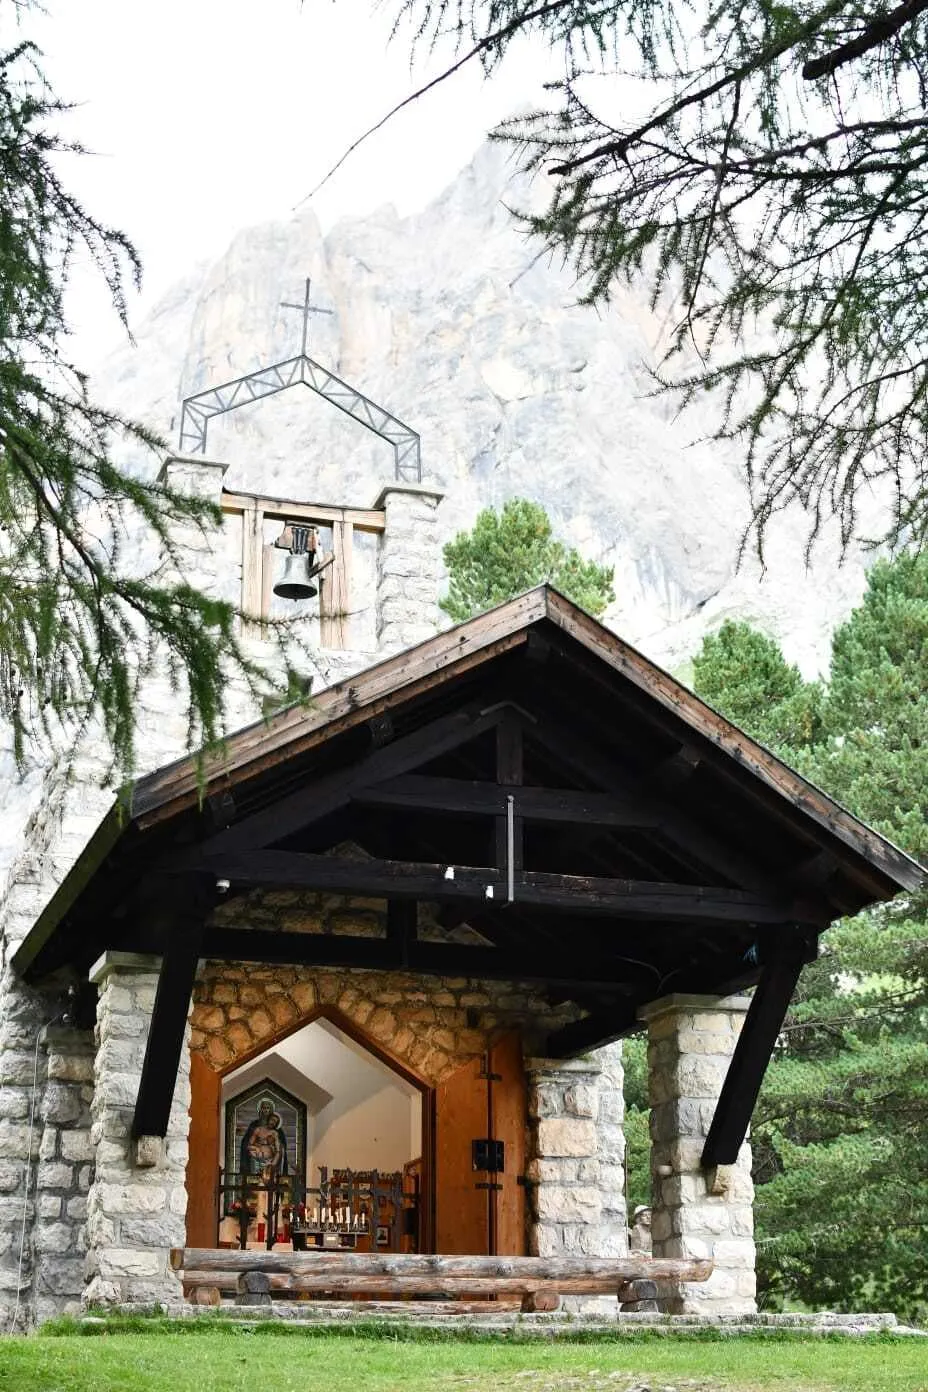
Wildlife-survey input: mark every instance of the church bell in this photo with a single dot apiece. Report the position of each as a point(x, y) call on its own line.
point(294, 582)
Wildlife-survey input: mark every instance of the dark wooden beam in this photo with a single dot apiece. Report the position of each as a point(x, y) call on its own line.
point(627, 899)
point(430, 959)
point(588, 759)
point(748, 1065)
point(194, 896)
point(509, 774)
point(602, 1026)
point(402, 927)
point(420, 793)
point(322, 796)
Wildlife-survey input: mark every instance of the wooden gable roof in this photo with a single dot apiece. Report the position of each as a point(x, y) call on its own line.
point(694, 801)
point(601, 830)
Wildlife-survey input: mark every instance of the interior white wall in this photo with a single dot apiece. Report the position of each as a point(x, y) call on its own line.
point(361, 1115)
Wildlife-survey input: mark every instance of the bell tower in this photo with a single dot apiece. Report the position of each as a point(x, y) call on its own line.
point(300, 552)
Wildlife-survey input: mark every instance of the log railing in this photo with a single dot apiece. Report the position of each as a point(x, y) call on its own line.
point(538, 1281)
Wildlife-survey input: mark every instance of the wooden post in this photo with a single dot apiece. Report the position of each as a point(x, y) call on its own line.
point(335, 589)
point(172, 1005)
point(753, 1051)
point(253, 568)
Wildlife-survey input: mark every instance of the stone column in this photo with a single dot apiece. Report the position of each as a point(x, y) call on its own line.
point(408, 566)
point(574, 1139)
point(63, 1178)
point(193, 475)
point(200, 552)
point(137, 1203)
point(697, 1213)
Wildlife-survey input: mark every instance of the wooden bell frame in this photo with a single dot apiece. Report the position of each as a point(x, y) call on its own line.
point(259, 557)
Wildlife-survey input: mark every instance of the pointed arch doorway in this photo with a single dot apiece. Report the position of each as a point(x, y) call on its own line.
point(459, 1208)
point(347, 1115)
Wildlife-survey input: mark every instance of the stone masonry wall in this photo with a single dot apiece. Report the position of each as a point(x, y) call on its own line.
point(408, 566)
point(433, 1025)
point(64, 1171)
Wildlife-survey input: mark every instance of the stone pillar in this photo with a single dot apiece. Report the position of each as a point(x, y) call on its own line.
point(610, 1148)
point(63, 1177)
point(408, 566)
point(137, 1203)
point(697, 1213)
point(200, 551)
point(573, 1209)
point(193, 475)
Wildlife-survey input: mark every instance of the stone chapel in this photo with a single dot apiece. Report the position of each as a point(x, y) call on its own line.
point(364, 986)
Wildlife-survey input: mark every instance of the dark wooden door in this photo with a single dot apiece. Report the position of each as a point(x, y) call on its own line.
point(481, 1212)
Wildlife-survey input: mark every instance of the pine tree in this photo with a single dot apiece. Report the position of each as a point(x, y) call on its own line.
point(81, 623)
point(743, 674)
point(511, 551)
point(840, 1133)
point(765, 167)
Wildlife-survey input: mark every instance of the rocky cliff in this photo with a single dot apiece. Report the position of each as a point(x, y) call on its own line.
point(454, 322)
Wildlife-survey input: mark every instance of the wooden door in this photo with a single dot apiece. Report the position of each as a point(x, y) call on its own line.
point(508, 1120)
point(203, 1157)
point(484, 1099)
point(461, 1214)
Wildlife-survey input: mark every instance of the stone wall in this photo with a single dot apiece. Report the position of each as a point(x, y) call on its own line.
point(408, 566)
point(433, 1025)
point(64, 1172)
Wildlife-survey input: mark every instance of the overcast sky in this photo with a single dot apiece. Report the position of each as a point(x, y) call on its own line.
point(209, 115)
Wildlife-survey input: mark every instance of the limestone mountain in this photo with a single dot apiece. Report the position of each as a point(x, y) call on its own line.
point(454, 322)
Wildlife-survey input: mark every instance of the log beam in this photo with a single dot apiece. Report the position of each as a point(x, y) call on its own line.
point(172, 1006)
point(748, 1065)
point(430, 959)
point(419, 793)
point(584, 894)
point(424, 1272)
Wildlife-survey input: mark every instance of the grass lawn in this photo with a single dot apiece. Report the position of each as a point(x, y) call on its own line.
point(237, 1361)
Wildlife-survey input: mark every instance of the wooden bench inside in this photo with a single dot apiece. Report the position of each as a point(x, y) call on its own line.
point(535, 1283)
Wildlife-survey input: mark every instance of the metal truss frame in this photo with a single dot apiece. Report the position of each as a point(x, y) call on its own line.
point(198, 410)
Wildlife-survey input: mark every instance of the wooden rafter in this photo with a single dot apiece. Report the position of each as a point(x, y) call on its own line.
point(325, 795)
point(419, 793)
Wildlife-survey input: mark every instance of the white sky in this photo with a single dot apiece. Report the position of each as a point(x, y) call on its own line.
point(209, 115)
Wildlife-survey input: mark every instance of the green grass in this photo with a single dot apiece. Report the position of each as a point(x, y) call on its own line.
point(237, 1360)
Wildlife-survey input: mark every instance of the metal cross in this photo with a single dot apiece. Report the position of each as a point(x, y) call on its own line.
point(306, 309)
